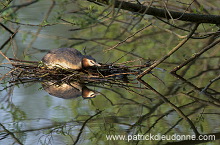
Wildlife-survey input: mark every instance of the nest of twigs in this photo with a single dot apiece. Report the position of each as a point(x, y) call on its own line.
point(32, 70)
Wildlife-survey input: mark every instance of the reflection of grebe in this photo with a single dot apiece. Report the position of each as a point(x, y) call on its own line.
point(68, 58)
point(68, 91)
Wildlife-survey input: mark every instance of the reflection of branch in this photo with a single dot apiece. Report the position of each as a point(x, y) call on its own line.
point(163, 98)
point(130, 90)
point(40, 27)
point(189, 17)
point(10, 38)
point(127, 99)
point(207, 94)
point(174, 125)
point(3, 136)
point(107, 98)
point(192, 112)
point(19, 6)
point(143, 117)
point(83, 126)
point(13, 136)
point(166, 114)
point(6, 28)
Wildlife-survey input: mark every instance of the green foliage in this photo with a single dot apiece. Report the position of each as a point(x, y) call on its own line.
point(9, 15)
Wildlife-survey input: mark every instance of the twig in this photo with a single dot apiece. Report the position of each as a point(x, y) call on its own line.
point(18, 60)
point(172, 32)
point(172, 25)
point(169, 53)
point(183, 16)
point(167, 11)
point(121, 42)
point(212, 81)
point(4, 56)
point(201, 100)
point(196, 55)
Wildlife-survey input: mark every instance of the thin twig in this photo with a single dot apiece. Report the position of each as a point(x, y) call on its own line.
point(196, 55)
point(211, 81)
point(123, 41)
point(4, 56)
point(183, 16)
point(201, 100)
point(169, 53)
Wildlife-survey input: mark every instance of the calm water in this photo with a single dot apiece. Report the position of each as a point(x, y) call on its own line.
point(30, 115)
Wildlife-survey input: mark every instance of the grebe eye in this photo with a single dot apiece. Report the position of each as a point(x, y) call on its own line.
point(91, 61)
point(92, 95)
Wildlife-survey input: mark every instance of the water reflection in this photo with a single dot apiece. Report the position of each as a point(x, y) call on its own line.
point(68, 90)
point(119, 111)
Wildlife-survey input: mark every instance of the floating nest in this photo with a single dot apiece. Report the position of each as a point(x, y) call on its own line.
point(69, 83)
point(38, 71)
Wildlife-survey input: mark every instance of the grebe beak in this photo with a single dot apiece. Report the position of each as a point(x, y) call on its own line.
point(97, 64)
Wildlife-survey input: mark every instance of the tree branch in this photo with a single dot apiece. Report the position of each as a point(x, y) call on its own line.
point(196, 55)
point(177, 47)
point(189, 17)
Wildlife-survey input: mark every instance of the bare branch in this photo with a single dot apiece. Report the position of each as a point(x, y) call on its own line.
point(169, 54)
point(195, 56)
point(163, 13)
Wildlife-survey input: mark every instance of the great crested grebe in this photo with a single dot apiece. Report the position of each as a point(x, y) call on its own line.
point(68, 58)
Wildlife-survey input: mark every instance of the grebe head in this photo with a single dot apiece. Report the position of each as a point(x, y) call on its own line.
point(88, 61)
point(87, 93)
